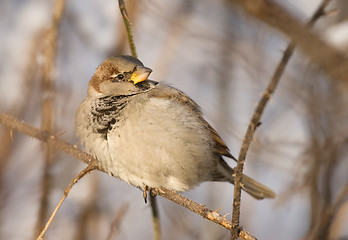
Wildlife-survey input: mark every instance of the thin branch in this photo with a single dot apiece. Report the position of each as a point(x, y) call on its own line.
point(92, 166)
point(155, 218)
point(128, 26)
point(333, 62)
point(44, 136)
point(14, 124)
point(121, 41)
point(255, 121)
point(340, 199)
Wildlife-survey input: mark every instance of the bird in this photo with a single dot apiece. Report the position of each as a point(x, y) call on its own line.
point(152, 135)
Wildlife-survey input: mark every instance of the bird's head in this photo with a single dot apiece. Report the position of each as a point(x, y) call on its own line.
point(121, 75)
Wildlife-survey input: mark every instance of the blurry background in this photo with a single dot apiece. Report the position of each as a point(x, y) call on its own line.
point(220, 57)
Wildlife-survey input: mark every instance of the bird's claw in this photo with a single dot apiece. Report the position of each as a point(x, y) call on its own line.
point(145, 193)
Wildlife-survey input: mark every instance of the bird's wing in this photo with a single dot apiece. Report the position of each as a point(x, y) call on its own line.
point(166, 92)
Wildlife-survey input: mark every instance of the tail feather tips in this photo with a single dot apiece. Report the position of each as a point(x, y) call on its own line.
point(256, 189)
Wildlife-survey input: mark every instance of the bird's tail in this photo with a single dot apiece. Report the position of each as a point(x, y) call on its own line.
point(251, 186)
point(256, 189)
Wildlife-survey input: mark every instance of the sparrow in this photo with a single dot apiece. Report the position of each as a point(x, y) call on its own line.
point(152, 135)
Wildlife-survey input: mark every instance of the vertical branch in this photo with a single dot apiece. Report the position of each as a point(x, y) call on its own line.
point(47, 105)
point(122, 37)
point(18, 109)
point(155, 218)
point(153, 202)
point(255, 121)
point(128, 26)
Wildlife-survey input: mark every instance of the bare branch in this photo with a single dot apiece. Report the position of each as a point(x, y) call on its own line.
point(44, 136)
point(255, 121)
point(193, 206)
point(155, 218)
point(128, 26)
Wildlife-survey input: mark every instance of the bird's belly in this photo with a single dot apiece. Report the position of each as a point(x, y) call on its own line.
point(149, 151)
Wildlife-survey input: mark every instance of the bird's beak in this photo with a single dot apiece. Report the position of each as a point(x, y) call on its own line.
point(140, 74)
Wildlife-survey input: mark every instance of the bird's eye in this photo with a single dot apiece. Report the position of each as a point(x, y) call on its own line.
point(119, 77)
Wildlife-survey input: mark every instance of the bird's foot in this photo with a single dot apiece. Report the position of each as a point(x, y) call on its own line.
point(145, 193)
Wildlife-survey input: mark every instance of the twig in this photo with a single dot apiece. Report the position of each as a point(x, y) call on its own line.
point(340, 199)
point(255, 120)
point(155, 218)
point(121, 42)
point(44, 136)
point(14, 124)
point(92, 166)
point(128, 26)
point(334, 63)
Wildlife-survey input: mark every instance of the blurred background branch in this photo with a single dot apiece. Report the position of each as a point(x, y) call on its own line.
point(47, 94)
point(333, 62)
point(220, 55)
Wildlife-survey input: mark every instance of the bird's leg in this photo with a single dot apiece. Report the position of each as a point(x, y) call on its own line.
point(155, 191)
point(145, 193)
point(152, 192)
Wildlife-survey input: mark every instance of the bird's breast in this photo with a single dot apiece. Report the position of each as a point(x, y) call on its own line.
point(106, 113)
point(95, 119)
